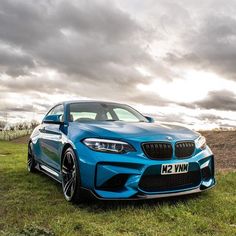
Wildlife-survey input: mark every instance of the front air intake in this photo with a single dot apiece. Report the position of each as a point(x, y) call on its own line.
point(115, 183)
point(156, 183)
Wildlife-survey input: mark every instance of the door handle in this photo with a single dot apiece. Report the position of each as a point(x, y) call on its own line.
point(42, 130)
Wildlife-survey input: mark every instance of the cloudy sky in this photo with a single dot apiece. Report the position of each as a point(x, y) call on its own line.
point(174, 60)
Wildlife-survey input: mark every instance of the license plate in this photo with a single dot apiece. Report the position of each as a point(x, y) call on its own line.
point(168, 169)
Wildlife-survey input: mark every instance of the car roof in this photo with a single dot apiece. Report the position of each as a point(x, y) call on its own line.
point(87, 101)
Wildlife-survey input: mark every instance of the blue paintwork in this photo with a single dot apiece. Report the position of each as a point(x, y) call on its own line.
point(52, 119)
point(96, 168)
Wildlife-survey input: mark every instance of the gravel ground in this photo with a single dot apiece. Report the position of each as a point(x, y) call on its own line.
point(223, 145)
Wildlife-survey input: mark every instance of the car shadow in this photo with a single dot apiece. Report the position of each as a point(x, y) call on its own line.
point(97, 206)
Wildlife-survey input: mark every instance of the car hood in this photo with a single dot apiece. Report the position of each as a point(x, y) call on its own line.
point(138, 131)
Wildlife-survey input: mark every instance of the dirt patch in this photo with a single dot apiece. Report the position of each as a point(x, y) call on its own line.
point(223, 145)
point(23, 140)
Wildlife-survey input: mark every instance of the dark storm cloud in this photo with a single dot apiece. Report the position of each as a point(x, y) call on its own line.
point(103, 20)
point(32, 84)
point(10, 107)
point(219, 100)
point(214, 119)
point(13, 62)
point(222, 100)
point(210, 44)
point(94, 42)
point(24, 23)
point(209, 117)
point(89, 39)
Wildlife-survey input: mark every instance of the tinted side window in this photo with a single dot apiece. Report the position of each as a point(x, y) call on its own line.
point(58, 110)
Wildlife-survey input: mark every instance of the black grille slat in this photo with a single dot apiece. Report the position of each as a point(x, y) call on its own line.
point(156, 183)
point(184, 149)
point(164, 150)
point(158, 150)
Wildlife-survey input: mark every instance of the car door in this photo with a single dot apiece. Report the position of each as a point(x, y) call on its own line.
point(51, 140)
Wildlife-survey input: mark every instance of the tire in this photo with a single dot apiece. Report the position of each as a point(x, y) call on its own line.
point(30, 160)
point(71, 183)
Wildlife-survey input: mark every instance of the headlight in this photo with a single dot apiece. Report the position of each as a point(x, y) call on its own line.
point(106, 145)
point(200, 142)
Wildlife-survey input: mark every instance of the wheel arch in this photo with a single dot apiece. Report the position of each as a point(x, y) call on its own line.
point(28, 144)
point(29, 141)
point(79, 191)
point(65, 147)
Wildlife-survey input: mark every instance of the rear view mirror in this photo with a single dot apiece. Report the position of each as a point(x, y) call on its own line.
point(150, 119)
point(53, 119)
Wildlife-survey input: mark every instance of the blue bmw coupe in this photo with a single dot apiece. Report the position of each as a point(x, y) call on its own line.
point(112, 151)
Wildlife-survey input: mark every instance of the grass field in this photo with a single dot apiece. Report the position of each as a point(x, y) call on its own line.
point(33, 204)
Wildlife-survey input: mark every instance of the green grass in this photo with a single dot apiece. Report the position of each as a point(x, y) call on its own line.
point(33, 204)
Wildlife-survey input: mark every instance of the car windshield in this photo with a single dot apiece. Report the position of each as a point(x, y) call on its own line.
point(95, 111)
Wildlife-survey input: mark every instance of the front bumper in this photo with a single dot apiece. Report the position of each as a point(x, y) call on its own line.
point(112, 176)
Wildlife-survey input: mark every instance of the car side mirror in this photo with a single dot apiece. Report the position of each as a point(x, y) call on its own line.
point(150, 119)
point(53, 119)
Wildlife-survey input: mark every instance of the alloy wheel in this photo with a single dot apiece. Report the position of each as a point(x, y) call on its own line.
point(68, 175)
point(30, 160)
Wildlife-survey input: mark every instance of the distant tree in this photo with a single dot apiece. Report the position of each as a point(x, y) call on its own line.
point(12, 127)
point(25, 125)
point(2, 124)
point(33, 124)
point(20, 126)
